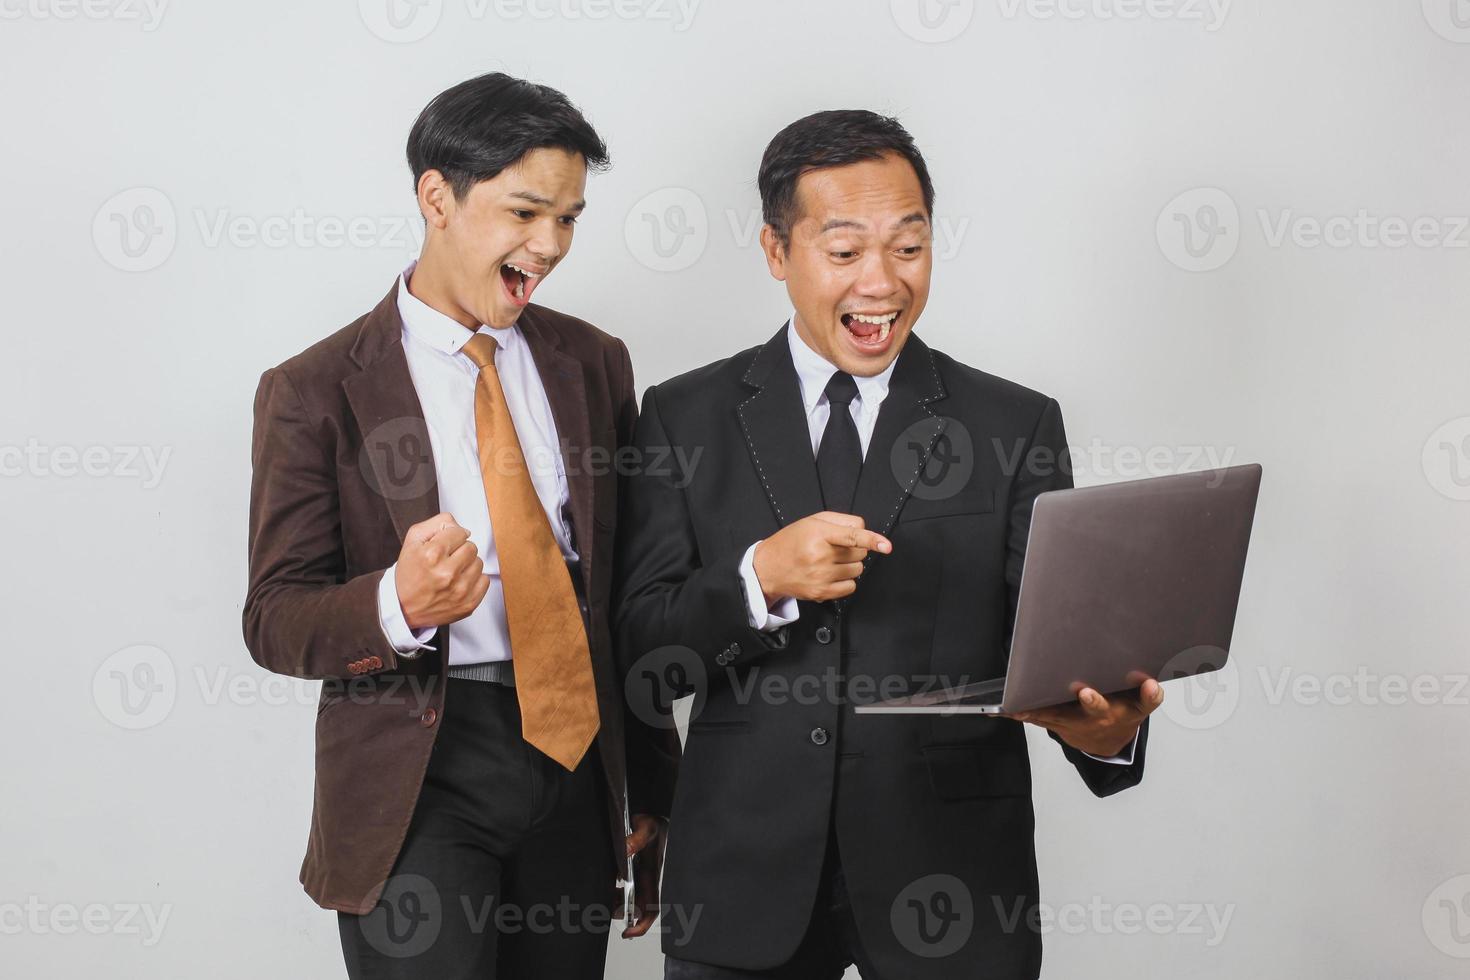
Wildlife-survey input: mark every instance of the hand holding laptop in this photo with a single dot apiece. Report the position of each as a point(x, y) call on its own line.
point(1098, 725)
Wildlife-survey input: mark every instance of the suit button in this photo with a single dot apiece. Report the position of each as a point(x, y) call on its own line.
point(824, 635)
point(734, 650)
point(428, 718)
point(376, 663)
point(819, 736)
point(722, 660)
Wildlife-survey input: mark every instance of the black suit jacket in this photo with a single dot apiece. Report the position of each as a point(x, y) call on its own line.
point(933, 815)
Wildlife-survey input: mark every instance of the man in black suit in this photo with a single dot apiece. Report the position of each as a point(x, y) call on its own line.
point(849, 522)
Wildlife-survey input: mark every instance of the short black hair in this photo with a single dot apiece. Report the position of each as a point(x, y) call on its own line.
point(834, 138)
point(476, 129)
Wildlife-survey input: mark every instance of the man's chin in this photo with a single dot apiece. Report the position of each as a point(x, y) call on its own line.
point(500, 316)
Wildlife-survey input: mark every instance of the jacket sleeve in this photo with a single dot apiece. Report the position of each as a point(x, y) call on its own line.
point(1046, 465)
point(302, 617)
point(668, 600)
point(653, 750)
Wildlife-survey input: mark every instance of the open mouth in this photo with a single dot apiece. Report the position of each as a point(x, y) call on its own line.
point(870, 331)
point(519, 283)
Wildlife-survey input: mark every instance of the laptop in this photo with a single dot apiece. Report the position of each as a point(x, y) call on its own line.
point(1121, 582)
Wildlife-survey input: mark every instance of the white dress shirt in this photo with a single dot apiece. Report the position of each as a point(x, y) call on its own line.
point(445, 379)
point(813, 371)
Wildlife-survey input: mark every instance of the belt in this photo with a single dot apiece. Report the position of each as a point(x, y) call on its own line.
point(494, 671)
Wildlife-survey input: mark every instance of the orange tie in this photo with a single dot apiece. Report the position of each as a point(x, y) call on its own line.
point(553, 667)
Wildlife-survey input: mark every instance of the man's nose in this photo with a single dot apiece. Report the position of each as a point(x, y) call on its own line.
point(544, 246)
point(877, 278)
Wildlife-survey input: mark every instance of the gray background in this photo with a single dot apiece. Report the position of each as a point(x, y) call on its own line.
point(1127, 194)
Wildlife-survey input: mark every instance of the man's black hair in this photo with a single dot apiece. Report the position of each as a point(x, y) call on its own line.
point(834, 138)
point(476, 129)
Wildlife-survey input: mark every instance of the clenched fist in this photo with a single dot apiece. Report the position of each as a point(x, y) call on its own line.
point(440, 576)
point(816, 558)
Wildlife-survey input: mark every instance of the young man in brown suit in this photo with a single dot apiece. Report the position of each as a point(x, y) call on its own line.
point(431, 525)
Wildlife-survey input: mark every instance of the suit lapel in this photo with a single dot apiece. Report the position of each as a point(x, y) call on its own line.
point(566, 391)
point(397, 458)
point(903, 438)
point(774, 422)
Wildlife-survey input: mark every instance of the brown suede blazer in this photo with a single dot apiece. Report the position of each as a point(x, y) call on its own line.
point(342, 467)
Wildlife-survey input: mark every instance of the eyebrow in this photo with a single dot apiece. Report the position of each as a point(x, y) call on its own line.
point(907, 219)
point(546, 202)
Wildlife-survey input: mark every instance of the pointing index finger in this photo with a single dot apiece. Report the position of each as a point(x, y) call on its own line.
point(849, 536)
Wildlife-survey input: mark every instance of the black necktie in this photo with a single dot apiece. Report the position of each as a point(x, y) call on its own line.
point(840, 454)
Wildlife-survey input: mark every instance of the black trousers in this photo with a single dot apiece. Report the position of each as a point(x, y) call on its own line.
point(506, 872)
point(830, 945)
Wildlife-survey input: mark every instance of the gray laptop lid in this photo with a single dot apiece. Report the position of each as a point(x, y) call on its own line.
point(1128, 580)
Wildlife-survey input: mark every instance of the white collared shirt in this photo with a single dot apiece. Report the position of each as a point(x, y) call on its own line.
point(814, 371)
point(445, 379)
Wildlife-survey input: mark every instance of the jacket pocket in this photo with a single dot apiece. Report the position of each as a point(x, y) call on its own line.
point(970, 500)
point(962, 772)
point(737, 726)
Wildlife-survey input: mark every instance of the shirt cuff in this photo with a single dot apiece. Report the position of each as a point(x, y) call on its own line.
point(762, 618)
point(1124, 758)
point(405, 642)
